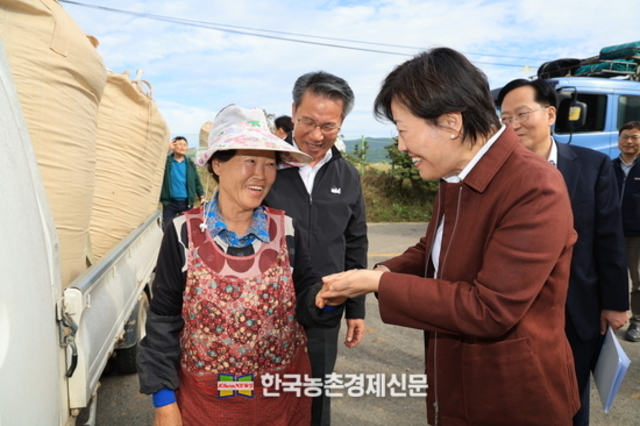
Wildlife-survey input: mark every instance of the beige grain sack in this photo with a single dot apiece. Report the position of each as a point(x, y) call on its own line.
point(131, 150)
point(204, 134)
point(59, 77)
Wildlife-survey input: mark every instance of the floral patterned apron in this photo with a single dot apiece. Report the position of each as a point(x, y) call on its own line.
point(240, 319)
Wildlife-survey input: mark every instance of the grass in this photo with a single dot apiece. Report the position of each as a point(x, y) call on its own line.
point(382, 167)
point(388, 199)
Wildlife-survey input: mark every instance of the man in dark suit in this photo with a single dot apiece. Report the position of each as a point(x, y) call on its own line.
point(598, 288)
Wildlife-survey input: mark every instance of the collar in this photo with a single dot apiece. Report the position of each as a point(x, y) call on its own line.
point(492, 161)
point(633, 162)
point(325, 160)
point(467, 169)
point(215, 223)
point(553, 154)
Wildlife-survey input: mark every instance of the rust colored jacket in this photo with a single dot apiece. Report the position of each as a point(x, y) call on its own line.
point(496, 351)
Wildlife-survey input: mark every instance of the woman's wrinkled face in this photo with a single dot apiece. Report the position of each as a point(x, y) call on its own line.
point(434, 153)
point(245, 179)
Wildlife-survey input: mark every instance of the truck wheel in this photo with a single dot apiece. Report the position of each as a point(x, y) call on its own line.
point(126, 357)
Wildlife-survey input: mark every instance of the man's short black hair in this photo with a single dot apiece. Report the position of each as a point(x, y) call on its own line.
point(629, 126)
point(327, 85)
point(284, 122)
point(545, 94)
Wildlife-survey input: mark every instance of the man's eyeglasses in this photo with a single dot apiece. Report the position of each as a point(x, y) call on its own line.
point(327, 129)
point(632, 138)
point(520, 117)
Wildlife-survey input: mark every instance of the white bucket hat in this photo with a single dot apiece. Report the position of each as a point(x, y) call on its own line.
point(240, 128)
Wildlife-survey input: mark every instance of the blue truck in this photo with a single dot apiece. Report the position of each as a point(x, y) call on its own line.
point(596, 95)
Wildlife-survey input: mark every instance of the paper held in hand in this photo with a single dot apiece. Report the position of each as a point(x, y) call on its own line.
point(612, 365)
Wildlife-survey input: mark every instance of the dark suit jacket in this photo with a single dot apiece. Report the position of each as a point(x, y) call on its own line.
point(598, 277)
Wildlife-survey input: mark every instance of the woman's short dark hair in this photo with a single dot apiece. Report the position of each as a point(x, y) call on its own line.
point(223, 157)
point(441, 81)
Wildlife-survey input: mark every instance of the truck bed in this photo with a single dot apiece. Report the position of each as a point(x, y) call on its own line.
point(101, 300)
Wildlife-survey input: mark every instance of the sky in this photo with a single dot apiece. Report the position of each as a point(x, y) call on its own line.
point(195, 70)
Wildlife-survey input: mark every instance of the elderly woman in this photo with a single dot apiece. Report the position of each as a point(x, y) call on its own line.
point(489, 280)
point(233, 288)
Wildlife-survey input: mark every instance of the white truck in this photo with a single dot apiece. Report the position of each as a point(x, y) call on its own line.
point(55, 342)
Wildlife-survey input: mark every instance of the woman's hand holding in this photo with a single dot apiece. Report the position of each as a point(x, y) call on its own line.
point(345, 285)
point(321, 301)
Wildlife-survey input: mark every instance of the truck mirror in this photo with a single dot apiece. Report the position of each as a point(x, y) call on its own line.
point(577, 114)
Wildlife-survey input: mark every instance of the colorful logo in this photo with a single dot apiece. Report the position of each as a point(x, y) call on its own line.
point(230, 385)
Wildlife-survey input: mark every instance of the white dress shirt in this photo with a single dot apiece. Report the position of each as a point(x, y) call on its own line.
point(308, 173)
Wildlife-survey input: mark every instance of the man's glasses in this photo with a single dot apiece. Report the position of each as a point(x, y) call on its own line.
point(632, 138)
point(327, 129)
point(521, 117)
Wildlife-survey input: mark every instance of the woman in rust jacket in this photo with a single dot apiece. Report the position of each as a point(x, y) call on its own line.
point(489, 280)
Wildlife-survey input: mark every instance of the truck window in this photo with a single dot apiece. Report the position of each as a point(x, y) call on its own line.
point(628, 109)
point(596, 114)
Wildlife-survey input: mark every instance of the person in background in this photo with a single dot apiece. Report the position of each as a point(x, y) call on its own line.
point(325, 198)
point(488, 282)
point(181, 184)
point(598, 287)
point(232, 287)
point(283, 125)
point(628, 177)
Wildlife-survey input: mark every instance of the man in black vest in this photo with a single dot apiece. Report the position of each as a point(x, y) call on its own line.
point(325, 199)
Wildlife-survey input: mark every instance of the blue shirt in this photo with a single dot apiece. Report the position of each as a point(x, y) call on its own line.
point(178, 188)
point(215, 223)
point(626, 167)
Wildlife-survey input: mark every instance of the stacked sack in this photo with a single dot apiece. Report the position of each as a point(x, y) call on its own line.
point(131, 151)
point(59, 77)
point(101, 162)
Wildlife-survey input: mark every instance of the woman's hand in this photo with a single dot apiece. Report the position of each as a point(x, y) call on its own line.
point(168, 415)
point(339, 287)
point(321, 302)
